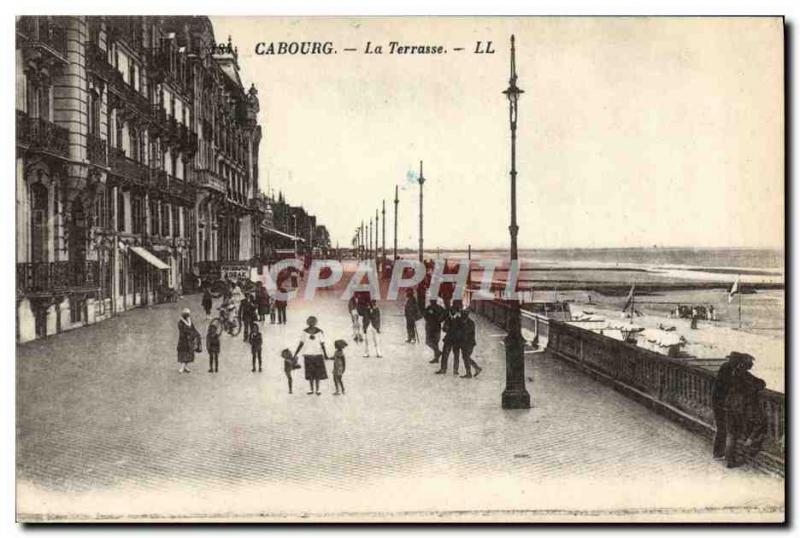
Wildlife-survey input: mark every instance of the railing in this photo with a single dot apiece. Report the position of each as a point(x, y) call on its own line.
point(96, 150)
point(207, 178)
point(98, 62)
point(45, 277)
point(42, 135)
point(181, 188)
point(652, 377)
point(159, 179)
point(127, 167)
point(42, 31)
point(127, 29)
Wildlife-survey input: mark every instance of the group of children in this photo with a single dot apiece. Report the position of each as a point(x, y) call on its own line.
point(290, 363)
point(255, 339)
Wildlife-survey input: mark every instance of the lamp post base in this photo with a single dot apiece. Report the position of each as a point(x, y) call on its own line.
point(516, 399)
point(515, 396)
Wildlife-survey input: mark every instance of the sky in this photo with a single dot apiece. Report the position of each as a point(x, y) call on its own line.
point(632, 131)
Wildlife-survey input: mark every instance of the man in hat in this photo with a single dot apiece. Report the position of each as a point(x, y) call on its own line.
point(453, 336)
point(742, 402)
point(433, 315)
point(468, 344)
point(412, 314)
point(372, 328)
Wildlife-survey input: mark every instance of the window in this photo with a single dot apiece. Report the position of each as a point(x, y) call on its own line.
point(102, 210)
point(176, 231)
point(165, 220)
point(135, 145)
point(118, 124)
point(94, 113)
point(120, 212)
point(154, 220)
point(137, 214)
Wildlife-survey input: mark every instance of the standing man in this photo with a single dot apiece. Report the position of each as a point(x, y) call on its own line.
point(452, 338)
point(468, 344)
point(372, 328)
point(412, 314)
point(247, 313)
point(722, 385)
point(280, 306)
point(433, 314)
point(739, 402)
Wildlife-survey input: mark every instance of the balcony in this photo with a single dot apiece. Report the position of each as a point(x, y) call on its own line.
point(127, 168)
point(41, 135)
point(48, 277)
point(210, 180)
point(99, 64)
point(126, 29)
point(44, 34)
point(181, 188)
point(159, 179)
point(96, 150)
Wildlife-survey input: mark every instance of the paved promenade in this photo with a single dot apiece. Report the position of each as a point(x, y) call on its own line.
point(106, 425)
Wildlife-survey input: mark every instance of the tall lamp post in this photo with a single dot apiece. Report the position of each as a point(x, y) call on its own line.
point(375, 253)
point(383, 230)
point(294, 218)
point(396, 201)
point(421, 180)
point(515, 396)
point(369, 248)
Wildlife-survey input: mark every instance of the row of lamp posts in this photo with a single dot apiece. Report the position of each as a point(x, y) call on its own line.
point(515, 395)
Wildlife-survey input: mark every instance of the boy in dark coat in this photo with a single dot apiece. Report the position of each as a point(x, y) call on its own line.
point(212, 342)
point(256, 341)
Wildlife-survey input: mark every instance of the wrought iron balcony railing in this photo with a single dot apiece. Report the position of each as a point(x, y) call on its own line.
point(42, 135)
point(45, 33)
point(208, 179)
point(46, 277)
point(98, 62)
point(96, 150)
point(126, 167)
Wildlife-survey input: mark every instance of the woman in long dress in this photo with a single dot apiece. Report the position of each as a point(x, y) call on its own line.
point(312, 339)
point(188, 337)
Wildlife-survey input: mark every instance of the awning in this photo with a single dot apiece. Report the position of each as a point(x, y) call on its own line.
point(287, 236)
point(149, 257)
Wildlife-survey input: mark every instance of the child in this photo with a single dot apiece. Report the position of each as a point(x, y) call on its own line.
point(212, 341)
point(339, 365)
point(289, 365)
point(207, 301)
point(255, 345)
point(272, 310)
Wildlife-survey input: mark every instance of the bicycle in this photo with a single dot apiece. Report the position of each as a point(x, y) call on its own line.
point(227, 323)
